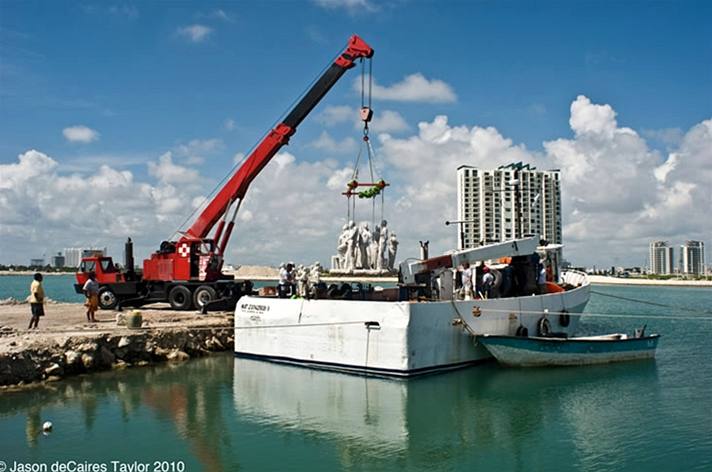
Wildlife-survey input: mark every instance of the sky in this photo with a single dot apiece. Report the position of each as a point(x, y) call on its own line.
point(119, 119)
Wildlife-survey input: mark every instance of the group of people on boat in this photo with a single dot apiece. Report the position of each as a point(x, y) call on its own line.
point(509, 277)
point(297, 281)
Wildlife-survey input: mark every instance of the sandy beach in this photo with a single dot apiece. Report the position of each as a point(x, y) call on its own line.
point(605, 280)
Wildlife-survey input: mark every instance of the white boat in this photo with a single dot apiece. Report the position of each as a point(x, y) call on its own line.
point(585, 350)
point(398, 332)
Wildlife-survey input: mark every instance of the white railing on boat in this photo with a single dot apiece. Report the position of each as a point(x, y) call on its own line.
point(574, 277)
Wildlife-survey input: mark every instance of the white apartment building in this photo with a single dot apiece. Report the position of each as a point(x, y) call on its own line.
point(500, 204)
point(692, 258)
point(661, 258)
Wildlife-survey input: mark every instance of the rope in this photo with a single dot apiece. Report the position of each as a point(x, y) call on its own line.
point(79, 331)
point(646, 302)
point(603, 315)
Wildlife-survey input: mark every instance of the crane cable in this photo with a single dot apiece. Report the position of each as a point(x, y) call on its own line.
point(646, 302)
point(366, 101)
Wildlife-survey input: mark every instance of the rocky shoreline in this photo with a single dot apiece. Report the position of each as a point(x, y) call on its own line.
point(83, 354)
point(68, 346)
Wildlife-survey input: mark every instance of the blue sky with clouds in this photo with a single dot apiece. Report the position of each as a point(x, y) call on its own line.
point(121, 84)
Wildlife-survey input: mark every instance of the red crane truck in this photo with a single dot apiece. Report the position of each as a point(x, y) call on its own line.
point(188, 273)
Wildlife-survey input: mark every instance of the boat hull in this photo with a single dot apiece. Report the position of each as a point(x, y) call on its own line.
point(388, 338)
point(541, 352)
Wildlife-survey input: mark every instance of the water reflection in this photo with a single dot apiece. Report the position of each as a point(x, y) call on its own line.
point(470, 415)
point(227, 413)
point(188, 397)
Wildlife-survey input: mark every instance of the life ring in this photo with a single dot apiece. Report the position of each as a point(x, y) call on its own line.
point(522, 331)
point(564, 318)
point(544, 327)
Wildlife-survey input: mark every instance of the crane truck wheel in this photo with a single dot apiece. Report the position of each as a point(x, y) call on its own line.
point(107, 299)
point(180, 298)
point(203, 295)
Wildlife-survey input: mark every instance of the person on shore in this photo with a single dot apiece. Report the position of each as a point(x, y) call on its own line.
point(91, 291)
point(36, 301)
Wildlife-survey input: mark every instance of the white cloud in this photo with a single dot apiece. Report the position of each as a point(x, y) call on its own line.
point(352, 6)
point(587, 118)
point(229, 124)
point(387, 121)
point(413, 88)
point(129, 11)
point(169, 173)
point(80, 134)
point(43, 208)
point(195, 33)
point(334, 115)
point(220, 14)
point(195, 150)
point(327, 143)
point(667, 136)
point(661, 172)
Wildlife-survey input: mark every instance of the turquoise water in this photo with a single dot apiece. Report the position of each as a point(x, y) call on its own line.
point(57, 287)
point(229, 414)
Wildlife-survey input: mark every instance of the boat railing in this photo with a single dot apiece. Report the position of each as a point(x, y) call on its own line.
point(574, 277)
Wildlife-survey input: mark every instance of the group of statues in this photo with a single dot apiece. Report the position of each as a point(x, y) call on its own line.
point(359, 247)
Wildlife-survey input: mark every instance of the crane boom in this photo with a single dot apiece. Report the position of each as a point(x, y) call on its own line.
point(237, 186)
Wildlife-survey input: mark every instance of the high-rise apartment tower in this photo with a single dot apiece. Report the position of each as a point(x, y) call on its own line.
point(661, 258)
point(509, 202)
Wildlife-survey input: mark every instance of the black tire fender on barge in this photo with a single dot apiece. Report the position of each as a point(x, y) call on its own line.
point(544, 327)
point(564, 318)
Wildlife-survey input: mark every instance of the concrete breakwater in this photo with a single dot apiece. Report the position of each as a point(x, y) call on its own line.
point(67, 345)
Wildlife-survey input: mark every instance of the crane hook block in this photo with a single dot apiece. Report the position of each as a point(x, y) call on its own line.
point(366, 114)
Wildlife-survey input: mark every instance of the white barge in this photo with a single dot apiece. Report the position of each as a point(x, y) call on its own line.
point(419, 327)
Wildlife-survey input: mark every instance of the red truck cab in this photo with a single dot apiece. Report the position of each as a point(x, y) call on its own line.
point(104, 268)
